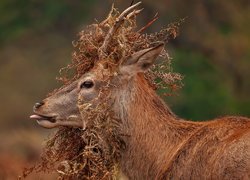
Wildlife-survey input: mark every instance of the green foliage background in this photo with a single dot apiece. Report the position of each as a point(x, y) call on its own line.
point(212, 52)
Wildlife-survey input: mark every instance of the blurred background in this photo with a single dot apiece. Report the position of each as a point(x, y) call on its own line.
point(212, 52)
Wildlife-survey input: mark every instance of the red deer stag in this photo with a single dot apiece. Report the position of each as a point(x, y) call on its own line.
point(159, 145)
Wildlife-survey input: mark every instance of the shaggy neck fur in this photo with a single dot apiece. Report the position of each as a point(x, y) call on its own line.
point(151, 128)
point(161, 146)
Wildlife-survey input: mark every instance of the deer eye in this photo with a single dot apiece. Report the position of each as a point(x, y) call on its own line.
point(87, 84)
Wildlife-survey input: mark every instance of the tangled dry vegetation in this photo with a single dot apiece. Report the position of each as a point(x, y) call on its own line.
point(93, 153)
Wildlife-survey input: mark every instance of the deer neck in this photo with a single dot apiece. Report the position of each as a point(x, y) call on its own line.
point(152, 128)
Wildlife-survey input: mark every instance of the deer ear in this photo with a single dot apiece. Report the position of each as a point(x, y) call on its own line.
point(141, 60)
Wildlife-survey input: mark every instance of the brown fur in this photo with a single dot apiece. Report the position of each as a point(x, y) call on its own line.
point(159, 145)
point(162, 146)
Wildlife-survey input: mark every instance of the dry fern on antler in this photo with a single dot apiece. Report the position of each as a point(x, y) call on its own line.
point(93, 153)
point(117, 37)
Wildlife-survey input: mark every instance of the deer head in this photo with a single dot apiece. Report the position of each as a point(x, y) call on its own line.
point(61, 108)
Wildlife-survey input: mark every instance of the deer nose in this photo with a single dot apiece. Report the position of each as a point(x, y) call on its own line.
point(39, 104)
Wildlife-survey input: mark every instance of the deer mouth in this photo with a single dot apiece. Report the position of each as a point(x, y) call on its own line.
point(44, 121)
point(54, 121)
point(40, 117)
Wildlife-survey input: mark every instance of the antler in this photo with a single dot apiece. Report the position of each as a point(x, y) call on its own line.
point(126, 13)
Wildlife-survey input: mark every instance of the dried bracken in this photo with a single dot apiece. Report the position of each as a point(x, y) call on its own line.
point(125, 41)
point(93, 152)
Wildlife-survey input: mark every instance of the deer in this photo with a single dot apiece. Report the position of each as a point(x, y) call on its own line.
point(159, 145)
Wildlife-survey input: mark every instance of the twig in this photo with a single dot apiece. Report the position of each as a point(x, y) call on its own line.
point(149, 23)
